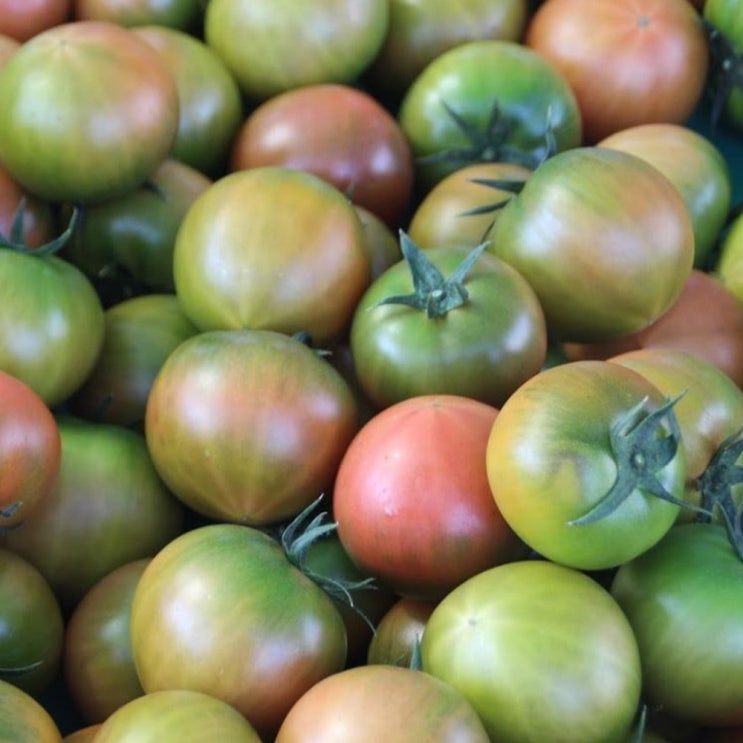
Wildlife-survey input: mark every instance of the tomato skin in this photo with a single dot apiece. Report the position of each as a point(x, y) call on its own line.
point(98, 666)
point(629, 62)
point(357, 145)
point(548, 232)
point(240, 262)
point(221, 610)
point(82, 735)
point(31, 625)
point(676, 596)
point(74, 155)
point(248, 425)
point(515, 638)
point(396, 705)
point(550, 459)
point(23, 19)
point(420, 529)
point(483, 349)
point(23, 719)
point(294, 44)
point(176, 715)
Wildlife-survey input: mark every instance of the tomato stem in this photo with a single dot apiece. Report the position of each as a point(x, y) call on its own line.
point(15, 240)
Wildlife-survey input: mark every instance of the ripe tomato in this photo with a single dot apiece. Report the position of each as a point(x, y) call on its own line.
point(23, 719)
point(98, 665)
point(240, 261)
point(22, 19)
point(356, 145)
point(420, 527)
point(678, 595)
point(30, 452)
point(381, 703)
point(541, 651)
point(604, 239)
point(176, 716)
point(221, 610)
point(248, 425)
point(581, 459)
point(87, 111)
point(295, 43)
point(629, 62)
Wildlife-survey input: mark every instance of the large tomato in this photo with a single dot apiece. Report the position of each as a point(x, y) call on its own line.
point(221, 610)
point(421, 527)
point(541, 651)
point(30, 452)
point(604, 239)
point(356, 145)
point(381, 703)
point(677, 596)
point(23, 719)
point(248, 425)
point(585, 464)
point(629, 62)
point(295, 43)
point(491, 100)
point(87, 111)
point(272, 248)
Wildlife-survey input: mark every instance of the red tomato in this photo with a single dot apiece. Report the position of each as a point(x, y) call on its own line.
point(356, 145)
point(22, 19)
point(628, 61)
point(403, 516)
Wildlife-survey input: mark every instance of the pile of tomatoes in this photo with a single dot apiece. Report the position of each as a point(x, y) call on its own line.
point(371, 371)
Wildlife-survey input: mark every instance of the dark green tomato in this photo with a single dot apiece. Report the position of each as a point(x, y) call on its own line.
point(221, 610)
point(483, 349)
point(508, 94)
point(541, 651)
point(140, 333)
point(23, 719)
point(683, 600)
point(109, 508)
point(31, 625)
point(570, 440)
point(51, 323)
point(604, 239)
point(135, 233)
point(248, 425)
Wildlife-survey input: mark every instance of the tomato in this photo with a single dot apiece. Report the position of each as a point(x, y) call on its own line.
point(706, 320)
point(52, 321)
point(437, 323)
point(82, 735)
point(420, 527)
point(23, 719)
point(98, 665)
point(295, 43)
point(491, 101)
point(135, 233)
point(240, 261)
point(248, 425)
point(178, 14)
point(176, 716)
point(629, 62)
point(380, 244)
point(678, 595)
point(729, 260)
point(604, 239)
point(221, 610)
point(356, 145)
point(108, 508)
point(31, 626)
point(391, 703)
point(399, 631)
point(419, 32)
point(210, 104)
point(87, 112)
point(22, 19)
point(30, 452)
point(695, 165)
point(541, 651)
point(37, 221)
point(585, 465)
point(140, 333)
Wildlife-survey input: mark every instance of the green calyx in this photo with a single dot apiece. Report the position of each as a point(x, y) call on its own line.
point(15, 241)
point(642, 444)
point(726, 69)
point(432, 292)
